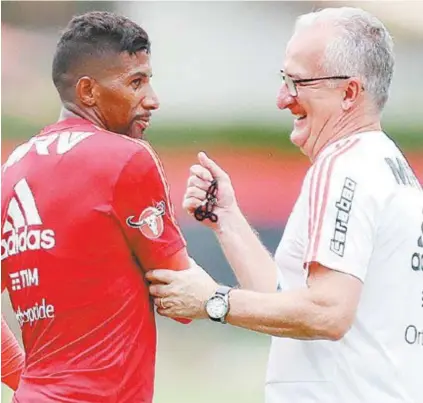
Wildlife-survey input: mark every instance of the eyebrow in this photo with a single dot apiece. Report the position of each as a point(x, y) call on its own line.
point(141, 74)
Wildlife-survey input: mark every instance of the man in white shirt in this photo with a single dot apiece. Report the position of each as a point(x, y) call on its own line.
point(348, 315)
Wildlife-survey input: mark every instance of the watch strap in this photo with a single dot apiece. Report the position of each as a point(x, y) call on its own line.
point(223, 290)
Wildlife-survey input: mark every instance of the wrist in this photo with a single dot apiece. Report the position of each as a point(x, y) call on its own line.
point(217, 306)
point(227, 217)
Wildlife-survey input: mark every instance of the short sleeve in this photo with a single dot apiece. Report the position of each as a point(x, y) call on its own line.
point(142, 204)
point(341, 217)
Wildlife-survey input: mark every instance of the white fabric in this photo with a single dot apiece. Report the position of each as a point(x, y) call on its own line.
point(354, 185)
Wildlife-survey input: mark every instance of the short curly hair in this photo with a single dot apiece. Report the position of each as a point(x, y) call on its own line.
point(92, 35)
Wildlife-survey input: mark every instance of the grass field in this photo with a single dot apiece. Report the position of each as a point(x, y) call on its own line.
point(206, 363)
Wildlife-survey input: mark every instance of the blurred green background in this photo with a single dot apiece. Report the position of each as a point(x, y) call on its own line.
point(215, 68)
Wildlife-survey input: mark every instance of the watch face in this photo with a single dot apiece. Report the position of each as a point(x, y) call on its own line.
point(216, 307)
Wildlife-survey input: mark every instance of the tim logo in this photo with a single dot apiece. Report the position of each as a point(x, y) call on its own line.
point(24, 278)
point(343, 205)
point(150, 221)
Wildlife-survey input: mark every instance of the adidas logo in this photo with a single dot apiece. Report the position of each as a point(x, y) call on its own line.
point(22, 213)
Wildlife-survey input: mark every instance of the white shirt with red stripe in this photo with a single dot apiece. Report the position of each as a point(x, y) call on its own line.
point(360, 212)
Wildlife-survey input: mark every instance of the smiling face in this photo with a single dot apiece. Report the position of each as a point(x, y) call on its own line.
point(317, 106)
point(121, 93)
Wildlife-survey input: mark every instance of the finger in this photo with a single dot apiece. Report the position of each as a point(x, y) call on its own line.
point(160, 276)
point(211, 166)
point(195, 181)
point(191, 203)
point(202, 172)
point(162, 303)
point(195, 193)
point(159, 290)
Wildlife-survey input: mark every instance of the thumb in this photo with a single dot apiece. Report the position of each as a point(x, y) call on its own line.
point(208, 163)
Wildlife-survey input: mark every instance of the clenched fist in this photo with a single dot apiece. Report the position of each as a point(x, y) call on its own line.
point(201, 176)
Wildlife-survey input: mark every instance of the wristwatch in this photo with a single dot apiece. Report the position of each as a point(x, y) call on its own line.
point(217, 306)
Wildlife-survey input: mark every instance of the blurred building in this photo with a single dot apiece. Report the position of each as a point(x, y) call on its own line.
point(213, 62)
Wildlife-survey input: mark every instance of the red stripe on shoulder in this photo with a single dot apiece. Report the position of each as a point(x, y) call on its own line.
point(320, 198)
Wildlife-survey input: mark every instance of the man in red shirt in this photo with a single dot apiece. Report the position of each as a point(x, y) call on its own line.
point(86, 212)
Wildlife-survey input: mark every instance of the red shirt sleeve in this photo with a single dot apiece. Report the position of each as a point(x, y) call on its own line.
point(143, 207)
point(12, 357)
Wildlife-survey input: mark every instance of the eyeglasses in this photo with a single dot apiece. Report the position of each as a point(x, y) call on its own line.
point(291, 84)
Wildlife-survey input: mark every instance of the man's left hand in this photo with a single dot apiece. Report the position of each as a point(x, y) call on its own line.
point(181, 294)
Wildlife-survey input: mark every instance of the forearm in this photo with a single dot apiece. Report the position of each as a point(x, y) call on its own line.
point(295, 314)
point(177, 261)
point(252, 264)
point(12, 357)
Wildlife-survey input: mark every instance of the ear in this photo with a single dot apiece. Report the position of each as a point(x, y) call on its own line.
point(351, 93)
point(85, 91)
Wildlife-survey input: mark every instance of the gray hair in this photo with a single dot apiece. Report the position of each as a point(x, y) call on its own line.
point(363, 49)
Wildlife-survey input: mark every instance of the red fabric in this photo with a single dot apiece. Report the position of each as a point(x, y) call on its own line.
point(12, 357)
point(87, 319)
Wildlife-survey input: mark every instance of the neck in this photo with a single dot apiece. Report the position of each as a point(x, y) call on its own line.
point(70, 110)
point(345, 127)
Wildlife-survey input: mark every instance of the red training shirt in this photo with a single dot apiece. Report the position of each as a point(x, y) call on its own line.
point(85, 211)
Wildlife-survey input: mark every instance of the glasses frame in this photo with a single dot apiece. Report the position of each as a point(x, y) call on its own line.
point(291, 84)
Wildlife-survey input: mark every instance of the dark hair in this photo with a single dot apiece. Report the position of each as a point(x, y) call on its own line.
point(91, 35)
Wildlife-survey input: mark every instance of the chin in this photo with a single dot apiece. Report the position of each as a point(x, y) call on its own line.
point(136, 134)
point(299, 139)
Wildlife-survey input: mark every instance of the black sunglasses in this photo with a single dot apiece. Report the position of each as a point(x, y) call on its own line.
point(291, 84)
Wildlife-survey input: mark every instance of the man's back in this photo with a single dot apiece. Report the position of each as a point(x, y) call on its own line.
point(360, 212)
point(72, 261)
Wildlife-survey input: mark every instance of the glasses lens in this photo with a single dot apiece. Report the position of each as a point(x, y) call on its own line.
point(291, 86)
point(292, 89)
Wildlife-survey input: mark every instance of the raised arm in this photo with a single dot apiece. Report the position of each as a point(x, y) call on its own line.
point(251, 262)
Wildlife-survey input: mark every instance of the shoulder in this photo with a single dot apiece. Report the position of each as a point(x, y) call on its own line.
point(142, 156)
point(361, 159)
point(111, 156)
point(335, 166)
point(345, 172)
point(140, 165)
point(119, 152)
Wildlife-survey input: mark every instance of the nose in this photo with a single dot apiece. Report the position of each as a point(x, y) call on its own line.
point(151, 100)
point(284, 98)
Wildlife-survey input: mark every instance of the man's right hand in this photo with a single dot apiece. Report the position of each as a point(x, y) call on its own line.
point(201, 176)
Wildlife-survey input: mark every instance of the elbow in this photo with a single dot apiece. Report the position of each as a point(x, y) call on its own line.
point(332, 320)
point(336, 329)
point(335, 334)
point(331, 323)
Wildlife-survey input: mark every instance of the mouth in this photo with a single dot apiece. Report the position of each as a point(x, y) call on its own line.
point(143, 124)
point(300, 117)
